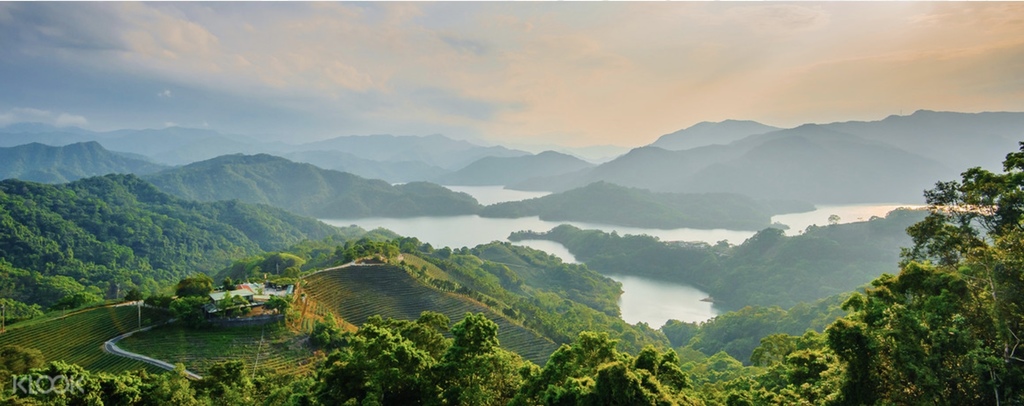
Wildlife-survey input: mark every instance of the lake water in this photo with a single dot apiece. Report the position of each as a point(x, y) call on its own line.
point(488, 195)
point(471, 230)
point(655, 302)
point(798, 222)
point(646, 300)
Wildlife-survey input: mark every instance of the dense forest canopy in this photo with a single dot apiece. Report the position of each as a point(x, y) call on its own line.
point(108, 234)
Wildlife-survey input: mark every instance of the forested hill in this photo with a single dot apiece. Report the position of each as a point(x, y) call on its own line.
point(608, 203)
point(308, 190)
point(768, 269)
point(98, 234)
point(43, 163)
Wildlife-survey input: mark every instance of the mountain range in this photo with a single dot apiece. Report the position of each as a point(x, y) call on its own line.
point(890, 160)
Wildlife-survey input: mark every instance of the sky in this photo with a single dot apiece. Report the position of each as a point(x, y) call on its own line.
point(573, 74)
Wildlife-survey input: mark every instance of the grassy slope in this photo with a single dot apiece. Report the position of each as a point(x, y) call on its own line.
point(282, 351)
point(78, 338)
point(359, 292)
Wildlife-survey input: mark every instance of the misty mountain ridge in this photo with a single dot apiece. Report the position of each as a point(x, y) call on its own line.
point(436, 150)
point(47, 164)
point(945, 143)
point(395, 158)
point(890, 160)
point(710, 133)
point(390, 171)
point(494, 170)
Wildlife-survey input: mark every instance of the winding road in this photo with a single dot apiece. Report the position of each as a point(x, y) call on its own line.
point(111, 347)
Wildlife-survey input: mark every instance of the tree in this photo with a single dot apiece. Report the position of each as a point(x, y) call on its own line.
point(16, 360)
point(133, 295)
point(474, 370)
point(279, 304)
point(833, 219)
point(198, 285)
point(947, 329)
point(76, 300)
point(190, 311)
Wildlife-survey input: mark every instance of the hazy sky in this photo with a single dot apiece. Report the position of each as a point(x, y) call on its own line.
point(513, 73)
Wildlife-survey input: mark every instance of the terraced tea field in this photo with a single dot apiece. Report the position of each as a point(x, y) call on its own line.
point(78, 338)
point(282, 351)
point(356, 293)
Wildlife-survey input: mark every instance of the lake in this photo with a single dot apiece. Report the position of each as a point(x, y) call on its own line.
point(646, 300)
point(654, 302)
point(488, 195)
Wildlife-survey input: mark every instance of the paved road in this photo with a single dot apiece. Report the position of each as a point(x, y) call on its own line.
point(111, 347)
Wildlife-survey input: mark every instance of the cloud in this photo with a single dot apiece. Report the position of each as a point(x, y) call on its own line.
point(70, 120)
point(593, 73)
point(32, 115)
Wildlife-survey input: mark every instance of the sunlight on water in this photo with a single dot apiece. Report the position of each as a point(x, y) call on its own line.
point(488, 195)
point(798, 222)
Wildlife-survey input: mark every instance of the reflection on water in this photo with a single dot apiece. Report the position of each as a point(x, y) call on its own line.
point(850, 213)
point(550, 247)
point(655, 302)
point(488, 195)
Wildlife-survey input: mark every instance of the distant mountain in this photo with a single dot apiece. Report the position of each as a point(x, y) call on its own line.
point(178, 145)
point(890, 160)
point(816, 164)
point(308, 190)
point(607, 203)
point(30, 127)
point(958, 140)
point(508, 170)
point(390, 171)
point(394, 158)
point(707, 133)
point(41, 163)
point(436, 150)
point(173, 145)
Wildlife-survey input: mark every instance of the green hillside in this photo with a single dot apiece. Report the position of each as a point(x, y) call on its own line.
point(356, 293)
point(308, 190)
point(105, 235)
point(78, 338)
point(48, 164)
